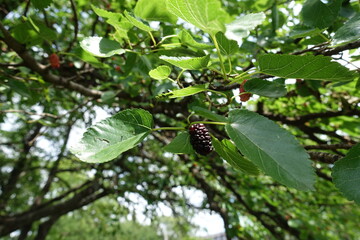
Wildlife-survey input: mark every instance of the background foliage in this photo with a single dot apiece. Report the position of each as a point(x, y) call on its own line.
point(155, 67)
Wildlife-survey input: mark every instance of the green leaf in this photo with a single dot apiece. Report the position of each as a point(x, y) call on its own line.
point(154, 10)
point(300, 31)
point(349, 32)
point(228, 151)
point(160, 73)
point(109, 138)
point(87, 57)
point(346, 174)
point(41, 4)
point(208, 114)
point(180, 144)
point(271, 148)
point(184, 92)
point(315, 13)
point(188, 62)
point(106, 14)
point(187, 39)
point(207, 15)
point(241, 26)
point(304, 67)
point(265, 88)
point(227, 47)
point(43, 31)
point(101, 47)
point(137, 23)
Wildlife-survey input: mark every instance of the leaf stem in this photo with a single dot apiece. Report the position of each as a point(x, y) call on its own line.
point(152, 38)
point(220, 56)
point(206, 122)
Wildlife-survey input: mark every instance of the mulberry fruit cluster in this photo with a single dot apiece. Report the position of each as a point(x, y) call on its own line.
point(200, 139)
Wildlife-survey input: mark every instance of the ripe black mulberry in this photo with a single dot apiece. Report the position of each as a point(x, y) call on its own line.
point(200, 139)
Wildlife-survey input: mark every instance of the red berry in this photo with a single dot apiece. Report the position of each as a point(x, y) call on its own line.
point(200, 139)
point(244, 97)
point(54, 60)
point(118, 68)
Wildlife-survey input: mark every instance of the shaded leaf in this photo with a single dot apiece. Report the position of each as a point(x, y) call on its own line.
point(109, 138)
point(160, 73)
point(265, 88)
point(208, 114)
point(101, 47)
point(304, 67)
point(188, 62)
point(41, 4)
point(227, 47)
point(228, 151)
point(300, 31)
point(180, 144)
point(349, 32)
point(271, 148)
point(315, 13)
point(346, 174)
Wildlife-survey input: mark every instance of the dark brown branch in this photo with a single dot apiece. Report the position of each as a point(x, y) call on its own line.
point(342, 48)
point(76, 25)
point(329, 147)
point(324, 157)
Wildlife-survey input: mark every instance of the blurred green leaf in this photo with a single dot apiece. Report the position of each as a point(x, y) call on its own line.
point(187, 62)
point(101, 47)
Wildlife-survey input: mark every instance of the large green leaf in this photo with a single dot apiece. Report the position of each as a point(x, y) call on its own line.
point(188, 62)
point(265, 88)
point(187, 39)
point(205, 14)
point(101, 47)
point(180, 144)
point(109, 138)
point(227, 47)
point(228, 151)
point(346, 174)
point(271, 148)
point(304, 67)
point(241, 26)
point(315, 13)
point(349, 32)
point(137, 22)
point(184, 92)
point(154, 10)
point(160, 73)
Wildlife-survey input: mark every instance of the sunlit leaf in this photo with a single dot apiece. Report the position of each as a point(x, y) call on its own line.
point(207, 15)
point(304, 67)
point(188, 62)
point(160, 73)
point(101, 47)
point(109, 138)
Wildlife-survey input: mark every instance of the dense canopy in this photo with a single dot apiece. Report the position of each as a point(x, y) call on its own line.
point(96, 99)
